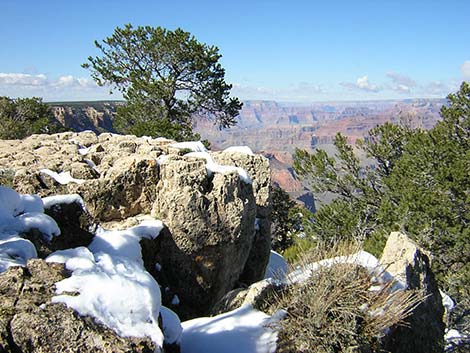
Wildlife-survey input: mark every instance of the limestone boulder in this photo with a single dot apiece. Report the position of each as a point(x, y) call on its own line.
point(410, 265)
point(257, 167)
point(210, 222)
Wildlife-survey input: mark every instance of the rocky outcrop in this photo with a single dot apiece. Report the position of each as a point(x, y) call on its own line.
point(410, 265)
point(116, 175)
point(211, 229)
point(217, 230)
point(258, 168)
point(30, 323)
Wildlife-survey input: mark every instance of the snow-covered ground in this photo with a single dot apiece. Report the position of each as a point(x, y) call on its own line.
point(242, 330)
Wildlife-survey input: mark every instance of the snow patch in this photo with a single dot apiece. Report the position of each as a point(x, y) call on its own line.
point(361, 258)
point(162, 159)
point(195, 146)
point(68, 199)
point(172, 329)
point(36, 220)
point(15, 251)
point(116, 291)
point(10, 201)
point(175, 300)
point(125, 243)
point(32, 203)
point(447, 301)
point(213, 167)
point(242, 330)
point(62, 178)
point(257, 220)
point(111, 282)
point(240, 149)
point(19, 214)
point(92, 165)
point(277, 267)
point(83, 150)
point(62, 256)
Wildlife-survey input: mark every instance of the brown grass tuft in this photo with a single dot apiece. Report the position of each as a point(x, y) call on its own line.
point(336, 310)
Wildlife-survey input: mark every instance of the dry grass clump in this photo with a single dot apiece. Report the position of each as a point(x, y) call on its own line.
point(339, 309)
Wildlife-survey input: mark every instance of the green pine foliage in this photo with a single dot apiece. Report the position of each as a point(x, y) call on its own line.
point(22, 117)
point(420, 184)
point(291, 226)
point(167, 77)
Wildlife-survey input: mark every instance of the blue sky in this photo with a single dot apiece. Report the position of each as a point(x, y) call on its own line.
point(298, 51)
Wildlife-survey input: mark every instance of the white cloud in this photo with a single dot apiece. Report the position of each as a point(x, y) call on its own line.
point(401, 88)
point(70, 81)
point(362, 83)
point(66, 87)
point(15, 79)
point(465, 69)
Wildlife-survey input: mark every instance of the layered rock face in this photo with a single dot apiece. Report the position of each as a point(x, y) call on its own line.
point(217, 224)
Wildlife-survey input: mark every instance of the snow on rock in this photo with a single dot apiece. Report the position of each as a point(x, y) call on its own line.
point(15, 251)
point(83, 150)
point(240, 149)
point(112, 283)
point(116, 291)
point(20, 214)
point(172, 329)
point(175, 300)
point(62, 178)
point(125, 243)
point(32, 203)
point(453, 338)
point(213, 167)
point(361, 258)
point(447, 302)
point(161, 159)
point(10, 201)
point(242, 330)
point(277, 267)
point(62, 256)
point(51, 201)
point(92, 165)
point(36, 220)
point(195, 146)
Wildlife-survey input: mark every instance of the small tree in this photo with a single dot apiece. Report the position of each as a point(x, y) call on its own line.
point(166, 77)
point(290, 225)
point(22, 117)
